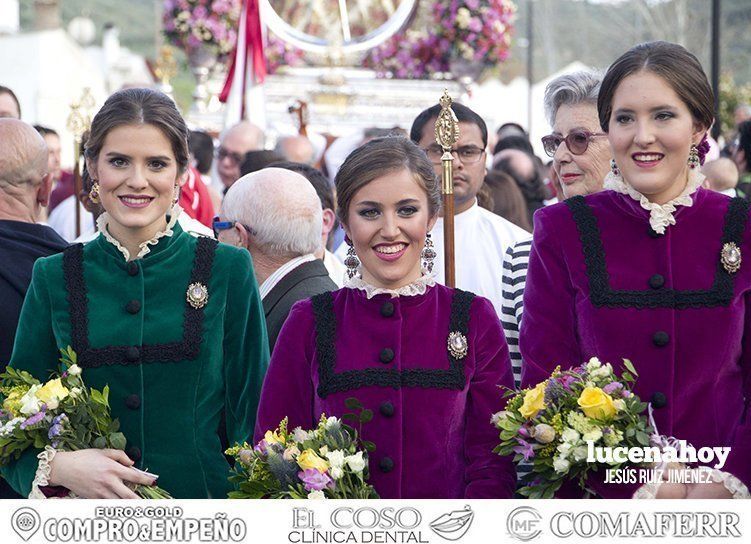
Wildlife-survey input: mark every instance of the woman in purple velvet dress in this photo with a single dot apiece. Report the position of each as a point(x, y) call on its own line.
point(427, 359)
point(652, 270)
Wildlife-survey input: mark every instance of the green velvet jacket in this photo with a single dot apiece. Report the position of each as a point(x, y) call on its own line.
point(175, 371)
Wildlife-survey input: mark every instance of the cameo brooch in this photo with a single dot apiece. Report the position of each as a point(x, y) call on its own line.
point(731, 257)
point(457, 344)
point(197, 295)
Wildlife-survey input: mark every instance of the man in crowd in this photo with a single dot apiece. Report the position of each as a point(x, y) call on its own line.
point(276, 215)
point(62, 182)
point(235, 143)
point(296, 149)
point(481, 237)
point(722, 175)
point(325, 192)
point(9, 105)
point(24, 191)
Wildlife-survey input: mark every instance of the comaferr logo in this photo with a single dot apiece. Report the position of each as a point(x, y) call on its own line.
point(454, 525)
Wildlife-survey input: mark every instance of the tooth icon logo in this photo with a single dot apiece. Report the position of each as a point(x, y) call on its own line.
point(25, 522)
point(454, 525)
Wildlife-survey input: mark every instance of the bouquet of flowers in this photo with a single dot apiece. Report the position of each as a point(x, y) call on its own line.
point(552, 424)
point(195, 24)
point(62, 413)
point(325, 463)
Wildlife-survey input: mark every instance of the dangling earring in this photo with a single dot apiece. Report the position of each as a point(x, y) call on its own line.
point(614, 168)
point(351, 262)
point(176, 198)
point(428, 254)
point(693, 157)
point(94, 193)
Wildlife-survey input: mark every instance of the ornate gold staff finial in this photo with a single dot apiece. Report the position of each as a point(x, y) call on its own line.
point(79, 121)
point(165, 67)
point(446, 135)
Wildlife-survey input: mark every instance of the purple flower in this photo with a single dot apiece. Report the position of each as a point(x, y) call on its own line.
point(261, 447)
point(612, 387)
point(524, 432)
point(566, 381)
point(54, 431)
point(314, 480)
point(525, 449)
point(36, 418)
point(59, 420)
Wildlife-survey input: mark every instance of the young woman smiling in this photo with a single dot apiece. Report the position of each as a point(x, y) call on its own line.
point(172, 323)
point(651, 270)
point(425, 358)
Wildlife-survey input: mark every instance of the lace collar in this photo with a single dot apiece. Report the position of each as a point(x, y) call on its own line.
point(660, 215)
point(417, 287)
point(103, 222)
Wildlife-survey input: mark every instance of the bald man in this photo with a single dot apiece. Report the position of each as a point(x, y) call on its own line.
point(235, 143)
point(24, 190)
point(722, 175)
point(296, 149)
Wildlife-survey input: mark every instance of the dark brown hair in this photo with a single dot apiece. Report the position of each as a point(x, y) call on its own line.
point(378, 158)
point(507, 199)
point(140, 107)
point(673, 63)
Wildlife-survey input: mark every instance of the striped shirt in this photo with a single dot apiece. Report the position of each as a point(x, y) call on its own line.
point(515, 264)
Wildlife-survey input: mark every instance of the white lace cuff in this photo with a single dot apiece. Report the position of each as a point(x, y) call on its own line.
point(737, 489)
point(42, 475)
point(417, 287)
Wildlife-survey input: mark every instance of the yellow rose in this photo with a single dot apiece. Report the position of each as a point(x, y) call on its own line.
point(596, 403)
point(274, 438)
point(309, 459)
point(534, 401)
point(52, 390)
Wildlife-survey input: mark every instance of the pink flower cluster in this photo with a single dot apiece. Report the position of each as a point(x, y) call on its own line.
point(193, 24)
point(279, 53)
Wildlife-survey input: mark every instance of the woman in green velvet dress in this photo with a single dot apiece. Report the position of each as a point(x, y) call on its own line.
point(173, 323)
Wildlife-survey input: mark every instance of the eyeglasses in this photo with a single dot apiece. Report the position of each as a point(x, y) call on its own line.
point(222, 153)
point(218, 225)
point(577, 142)
point(468, 154)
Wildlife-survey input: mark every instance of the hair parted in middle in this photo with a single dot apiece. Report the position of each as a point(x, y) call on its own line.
point(581, 87)
point(378, 158)
point(672, 62)
point(140, 107)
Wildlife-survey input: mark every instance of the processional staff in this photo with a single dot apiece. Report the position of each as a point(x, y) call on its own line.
point(446, 135)
point(78, 123)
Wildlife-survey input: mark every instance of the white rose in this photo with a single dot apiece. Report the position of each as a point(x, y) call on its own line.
point(580, 453)
point(498, 417)
point(561, 465)
point(602, 371)
point(564, 449)
point(336, 458)
point(10, 426)
point(337, 472)
point(593, 363)
point(331, 421)
point(316, 495)
point(74, 370)
point(323, 451)
point(73, 393)
point(30, 404)
point(592, 436)
point(355, 462)
point(619, 404)
point(53, 404)
point(570, 435)
point(299, 434)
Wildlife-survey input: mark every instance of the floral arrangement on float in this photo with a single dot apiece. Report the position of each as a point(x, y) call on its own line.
point(202, 27)
point(328, 462)
point(554, 424)
point(61, 413)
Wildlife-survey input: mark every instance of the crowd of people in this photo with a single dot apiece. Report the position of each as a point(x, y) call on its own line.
point(306, 275)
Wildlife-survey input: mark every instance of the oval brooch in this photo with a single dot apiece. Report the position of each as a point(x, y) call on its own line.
point(731, 257)
point(457, 344)
point(197, 295)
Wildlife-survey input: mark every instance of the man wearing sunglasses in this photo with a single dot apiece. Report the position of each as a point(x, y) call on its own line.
point(481, 237)
point(235, 143)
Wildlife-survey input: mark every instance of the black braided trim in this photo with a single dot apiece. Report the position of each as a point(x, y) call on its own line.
point(88, 357)
point(331, 381)
point(602, 295)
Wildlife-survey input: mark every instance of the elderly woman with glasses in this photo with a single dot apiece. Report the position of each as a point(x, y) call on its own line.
point(652, 270)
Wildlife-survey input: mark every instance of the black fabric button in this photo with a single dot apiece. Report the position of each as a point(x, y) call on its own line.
point(653, 233)
point(386, 409)
point(657, 281)
point(386, 464)
point(387, 355)
point(658, 400)
point(133, 401)
point(660, 338)
point(132, 354)
point(133, 307)
point(132, 268)
point(134, 453)
point(387, 310)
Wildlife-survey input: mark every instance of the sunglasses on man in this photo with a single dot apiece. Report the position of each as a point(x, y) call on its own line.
point(218, 225)
point(222, 153)
point(576, 141)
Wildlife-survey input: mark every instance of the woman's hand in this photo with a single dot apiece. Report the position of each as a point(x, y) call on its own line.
point(96, 474)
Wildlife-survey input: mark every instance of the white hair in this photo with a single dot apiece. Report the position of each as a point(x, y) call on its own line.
point(282, 209)
point(574, 88)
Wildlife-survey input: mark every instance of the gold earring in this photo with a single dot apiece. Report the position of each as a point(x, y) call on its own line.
point(94, 193)
point(176, 199)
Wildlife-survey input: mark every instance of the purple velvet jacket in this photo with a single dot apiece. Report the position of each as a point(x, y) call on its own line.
point(432, 412)
point(602, 283)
